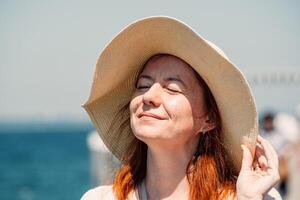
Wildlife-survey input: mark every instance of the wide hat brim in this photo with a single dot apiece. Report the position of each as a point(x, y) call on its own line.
point(122, 59)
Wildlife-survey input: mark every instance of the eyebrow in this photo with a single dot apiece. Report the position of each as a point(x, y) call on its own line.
point(172, 78)
point(146, 77)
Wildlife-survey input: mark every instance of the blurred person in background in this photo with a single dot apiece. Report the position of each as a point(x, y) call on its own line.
point(289, 155)
point(282, 131)
point(278, 141)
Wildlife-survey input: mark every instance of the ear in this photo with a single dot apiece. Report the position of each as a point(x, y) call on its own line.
point(208, 125)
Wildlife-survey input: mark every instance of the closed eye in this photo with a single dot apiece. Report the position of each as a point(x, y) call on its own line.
point(174, 87)
point(173, 90)
point(142, 87)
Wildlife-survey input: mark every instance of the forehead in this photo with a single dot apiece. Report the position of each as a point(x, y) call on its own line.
point(168, 65)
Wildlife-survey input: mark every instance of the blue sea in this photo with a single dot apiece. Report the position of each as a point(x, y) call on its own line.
point(42, 161)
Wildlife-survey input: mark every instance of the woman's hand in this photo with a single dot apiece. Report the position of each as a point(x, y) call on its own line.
point(259, 174)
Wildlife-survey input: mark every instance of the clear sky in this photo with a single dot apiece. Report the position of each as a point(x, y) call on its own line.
point(48, 49)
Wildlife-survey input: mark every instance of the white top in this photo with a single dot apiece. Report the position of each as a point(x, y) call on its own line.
point(106, 193)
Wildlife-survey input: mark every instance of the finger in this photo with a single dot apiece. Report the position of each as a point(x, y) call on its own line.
point(272, 150)
point(255, 165)
point(263, 162)
point(259, 150)
point(247, 158)
point(270, 153)
point(260, 157)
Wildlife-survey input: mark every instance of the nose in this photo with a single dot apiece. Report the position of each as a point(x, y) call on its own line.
point(152, 96)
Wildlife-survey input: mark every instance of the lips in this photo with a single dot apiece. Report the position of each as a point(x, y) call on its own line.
point(152, 115)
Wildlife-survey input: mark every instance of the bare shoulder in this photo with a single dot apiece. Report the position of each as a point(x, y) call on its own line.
point(101, 192)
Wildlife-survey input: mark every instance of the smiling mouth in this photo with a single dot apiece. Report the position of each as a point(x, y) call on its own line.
point(150, 115)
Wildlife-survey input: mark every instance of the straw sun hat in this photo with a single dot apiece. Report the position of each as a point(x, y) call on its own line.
point(121, 60)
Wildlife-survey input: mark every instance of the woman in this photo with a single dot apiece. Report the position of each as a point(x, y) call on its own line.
point(177, 113)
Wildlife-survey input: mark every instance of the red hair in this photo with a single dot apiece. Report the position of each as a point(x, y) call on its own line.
point(210, 172)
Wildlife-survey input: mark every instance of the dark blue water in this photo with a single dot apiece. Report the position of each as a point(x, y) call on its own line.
point(45, 164)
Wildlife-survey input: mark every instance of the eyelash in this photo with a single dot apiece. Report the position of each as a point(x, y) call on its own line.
point(142, 87)
point(146, 87)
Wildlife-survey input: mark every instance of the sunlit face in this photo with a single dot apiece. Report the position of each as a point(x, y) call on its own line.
point(168, 102)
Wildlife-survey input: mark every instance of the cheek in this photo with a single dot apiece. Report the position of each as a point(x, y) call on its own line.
point(198, 107)
point(185, 113)
point(179, 109)
point(133, 109)
point(134, 104)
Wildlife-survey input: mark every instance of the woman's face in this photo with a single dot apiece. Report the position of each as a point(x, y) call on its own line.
point(168, 102)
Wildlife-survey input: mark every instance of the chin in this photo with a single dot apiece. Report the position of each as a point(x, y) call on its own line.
point(150, 136)
point(147, 134)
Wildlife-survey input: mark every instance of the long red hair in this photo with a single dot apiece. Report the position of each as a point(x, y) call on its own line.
point(210, 172)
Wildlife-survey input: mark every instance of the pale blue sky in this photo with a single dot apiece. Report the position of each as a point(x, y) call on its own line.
point(48, 49)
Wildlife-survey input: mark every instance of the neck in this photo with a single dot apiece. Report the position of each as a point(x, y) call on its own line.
point(166, 172)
